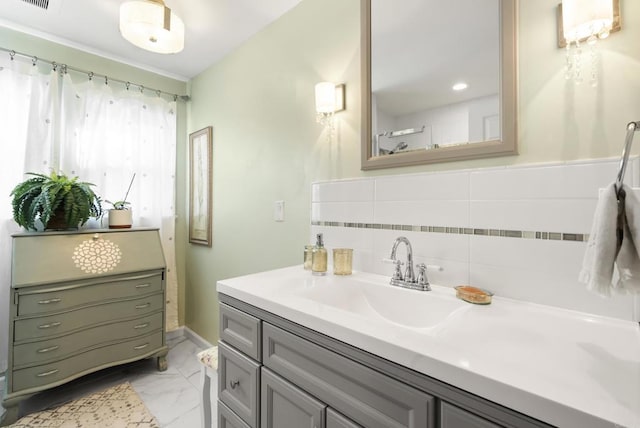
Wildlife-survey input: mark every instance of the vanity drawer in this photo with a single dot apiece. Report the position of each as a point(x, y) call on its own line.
point(228, 419)
point(370, 398)
point(241, 330)
point(86, 362)
point(238, 383)
point(455, 417)
point(336, 420)
point(66, 322)
point(64, 297)
point(28, 354)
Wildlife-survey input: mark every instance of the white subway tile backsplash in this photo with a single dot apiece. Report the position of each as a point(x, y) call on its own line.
point(543, 182)
point(559, 289)
point(496, 228)
point(549, 215)
point(441, 186)
point(423, 213)
point(354, 212)
point(343, 191)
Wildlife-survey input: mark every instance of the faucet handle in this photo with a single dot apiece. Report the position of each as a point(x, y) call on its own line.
point(422, 276)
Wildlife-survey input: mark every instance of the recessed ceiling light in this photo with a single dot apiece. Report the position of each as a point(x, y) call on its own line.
point(459, 86)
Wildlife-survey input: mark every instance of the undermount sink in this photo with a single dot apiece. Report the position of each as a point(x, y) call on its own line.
point(409, 308)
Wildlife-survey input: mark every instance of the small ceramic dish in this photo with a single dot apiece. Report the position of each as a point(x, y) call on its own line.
point(473, 295)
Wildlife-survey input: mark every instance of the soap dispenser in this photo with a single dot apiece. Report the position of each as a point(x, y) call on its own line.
point(319, 257)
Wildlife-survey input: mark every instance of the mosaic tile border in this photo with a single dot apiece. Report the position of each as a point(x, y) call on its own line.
point(501, 233)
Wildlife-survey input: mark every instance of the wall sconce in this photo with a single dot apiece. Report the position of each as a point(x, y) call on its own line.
point(329, 100)
point(587, 21)
point(151, 25)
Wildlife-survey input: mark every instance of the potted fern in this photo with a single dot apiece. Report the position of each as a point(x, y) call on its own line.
point(121, 216)
point(57, 201)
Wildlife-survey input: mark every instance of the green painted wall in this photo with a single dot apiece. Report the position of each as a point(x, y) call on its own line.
point(45, 49)
point(267, 146)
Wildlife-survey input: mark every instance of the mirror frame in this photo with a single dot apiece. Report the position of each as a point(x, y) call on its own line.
point(508, 102)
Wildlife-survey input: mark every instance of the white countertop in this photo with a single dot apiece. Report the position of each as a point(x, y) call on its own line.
point(566, 368)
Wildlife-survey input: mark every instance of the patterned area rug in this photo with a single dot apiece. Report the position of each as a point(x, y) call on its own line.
point(117, 407)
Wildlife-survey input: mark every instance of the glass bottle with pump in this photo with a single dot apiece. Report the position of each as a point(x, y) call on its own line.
point(319, 257)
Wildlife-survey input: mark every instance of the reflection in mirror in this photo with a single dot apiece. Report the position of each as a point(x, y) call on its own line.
point(439, 81)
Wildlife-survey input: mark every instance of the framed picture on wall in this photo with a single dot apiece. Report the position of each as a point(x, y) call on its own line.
point(200, 186)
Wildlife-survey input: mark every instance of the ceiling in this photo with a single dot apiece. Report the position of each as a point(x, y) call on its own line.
point(213, 29)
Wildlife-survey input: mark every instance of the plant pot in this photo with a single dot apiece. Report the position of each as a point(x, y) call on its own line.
point(120, 219)
point(58, 222)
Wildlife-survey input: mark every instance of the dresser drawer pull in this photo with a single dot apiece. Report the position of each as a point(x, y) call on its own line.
point(139, 347)
point(143, 285)
point(49, 301)
point(144, 305)
point(45, 350)
point(51, 325)
point(49, 373)
point(234, 383)
point(139, 326)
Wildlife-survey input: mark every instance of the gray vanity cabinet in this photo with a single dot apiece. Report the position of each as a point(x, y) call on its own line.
point(308, 379)
point(80, 302)
point(285, 405)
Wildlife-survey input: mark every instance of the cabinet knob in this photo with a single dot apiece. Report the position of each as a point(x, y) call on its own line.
point(234, 383)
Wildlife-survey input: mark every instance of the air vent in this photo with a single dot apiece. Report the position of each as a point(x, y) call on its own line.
point(40, 3)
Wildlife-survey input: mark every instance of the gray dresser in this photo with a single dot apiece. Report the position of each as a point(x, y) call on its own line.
point(81, 302)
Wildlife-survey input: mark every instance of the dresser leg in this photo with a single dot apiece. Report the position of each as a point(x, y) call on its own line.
point(9, 416)
point(162, 363)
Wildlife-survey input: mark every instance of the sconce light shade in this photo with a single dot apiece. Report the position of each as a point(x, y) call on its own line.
point(582, 19)
point(325, 97)
point(150, 25)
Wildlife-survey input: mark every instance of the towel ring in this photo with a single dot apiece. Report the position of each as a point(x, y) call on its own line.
point(632, 127)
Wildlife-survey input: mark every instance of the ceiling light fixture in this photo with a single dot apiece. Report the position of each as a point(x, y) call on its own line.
point(461, 86)
point(151, 25)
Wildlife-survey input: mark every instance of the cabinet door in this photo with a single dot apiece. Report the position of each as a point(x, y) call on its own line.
point(455, 417)
point(287, 406)
point(238, 378)
point(336, 420)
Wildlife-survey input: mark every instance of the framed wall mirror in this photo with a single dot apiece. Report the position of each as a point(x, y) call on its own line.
point(439, 81)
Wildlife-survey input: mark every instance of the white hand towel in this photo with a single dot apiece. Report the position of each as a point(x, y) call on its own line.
point(602, 248)
point(628, 260)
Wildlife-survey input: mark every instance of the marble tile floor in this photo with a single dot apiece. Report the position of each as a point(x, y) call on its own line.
point(173, 396)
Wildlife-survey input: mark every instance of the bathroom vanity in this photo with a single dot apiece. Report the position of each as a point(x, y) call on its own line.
point(297, 350)
point(81, 302)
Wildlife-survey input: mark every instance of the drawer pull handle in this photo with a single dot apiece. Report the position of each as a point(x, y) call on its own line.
point(145, 325)
point(143, 285)
point(144, 305)
point(49, 301)
point(45, 350)
point(49, 373)
point(51, 325)
point(234, 383)
point(139, 347)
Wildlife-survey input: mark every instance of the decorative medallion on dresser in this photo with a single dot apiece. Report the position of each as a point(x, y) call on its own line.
point(81, 302)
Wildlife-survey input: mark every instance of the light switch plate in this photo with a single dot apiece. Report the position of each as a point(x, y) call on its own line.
point(278, 210)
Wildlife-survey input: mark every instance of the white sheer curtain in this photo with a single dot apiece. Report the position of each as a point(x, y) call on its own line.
point(96, 132)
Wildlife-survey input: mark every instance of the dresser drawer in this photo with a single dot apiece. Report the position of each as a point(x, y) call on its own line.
point(241, 330)
point(67, 322)
point(43, 351)
point(238, 383)
point(63, 297)
point(370, 398)
point(86, 362)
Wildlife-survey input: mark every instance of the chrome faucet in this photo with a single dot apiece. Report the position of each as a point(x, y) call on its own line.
point(408, 280)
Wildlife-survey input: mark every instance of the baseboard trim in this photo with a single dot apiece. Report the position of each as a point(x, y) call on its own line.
point(196, 338)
